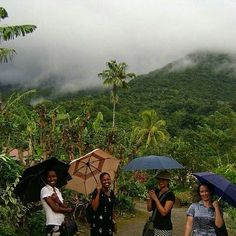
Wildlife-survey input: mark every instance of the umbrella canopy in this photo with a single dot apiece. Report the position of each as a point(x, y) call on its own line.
point(33, 179)
point(85, 171)
point(152, 163)
point(222, 187)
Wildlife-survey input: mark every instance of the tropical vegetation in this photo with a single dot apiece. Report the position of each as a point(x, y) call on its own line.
point(186, 112)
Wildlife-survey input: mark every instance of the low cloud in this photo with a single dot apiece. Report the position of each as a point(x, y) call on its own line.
point(75, 39)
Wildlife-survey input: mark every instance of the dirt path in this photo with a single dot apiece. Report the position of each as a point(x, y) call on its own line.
point(133, 226)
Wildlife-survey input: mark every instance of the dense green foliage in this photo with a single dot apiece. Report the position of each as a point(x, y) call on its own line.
point(187, 112)
point(11, 210)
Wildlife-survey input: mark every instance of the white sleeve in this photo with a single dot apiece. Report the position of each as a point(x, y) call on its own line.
point(60, 195)
point(45, 192)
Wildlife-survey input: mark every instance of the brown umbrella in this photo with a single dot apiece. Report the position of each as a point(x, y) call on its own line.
point(85, 171)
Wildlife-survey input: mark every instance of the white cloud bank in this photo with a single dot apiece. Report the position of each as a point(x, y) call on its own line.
point(75, 38)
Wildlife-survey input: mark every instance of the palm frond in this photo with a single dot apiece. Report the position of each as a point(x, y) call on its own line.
point(6, 54)
point(3, 13)
point(12, 100)
point(11, 32)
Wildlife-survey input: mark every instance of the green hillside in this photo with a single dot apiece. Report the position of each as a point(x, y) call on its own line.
point(183, 90)
point(209, 80)
point(194, 96)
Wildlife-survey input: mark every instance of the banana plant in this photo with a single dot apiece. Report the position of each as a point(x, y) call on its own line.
point(10, 33)
point(14, 120)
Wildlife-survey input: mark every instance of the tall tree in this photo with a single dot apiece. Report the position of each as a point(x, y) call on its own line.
point(116, 76)
point(9, 33)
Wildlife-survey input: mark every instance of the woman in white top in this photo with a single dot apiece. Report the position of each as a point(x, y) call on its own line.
point(53, 205)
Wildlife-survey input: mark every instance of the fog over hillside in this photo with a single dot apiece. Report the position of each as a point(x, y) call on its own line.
point(75, 39)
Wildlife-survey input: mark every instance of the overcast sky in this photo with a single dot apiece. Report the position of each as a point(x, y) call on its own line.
point(75, 38)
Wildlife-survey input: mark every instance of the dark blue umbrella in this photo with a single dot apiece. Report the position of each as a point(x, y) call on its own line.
point(222, 187)
point(152, 163)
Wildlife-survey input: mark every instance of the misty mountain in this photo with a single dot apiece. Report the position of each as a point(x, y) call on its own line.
point(195, 84)
point(191, 87)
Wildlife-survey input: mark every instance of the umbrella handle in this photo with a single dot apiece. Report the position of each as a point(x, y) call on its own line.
point(219, 198)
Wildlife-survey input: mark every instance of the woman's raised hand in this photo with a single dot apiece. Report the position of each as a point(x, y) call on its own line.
point(152, 194)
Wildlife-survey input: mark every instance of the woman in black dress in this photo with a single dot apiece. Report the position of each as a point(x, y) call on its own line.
point(161, 201)
point(102, 204)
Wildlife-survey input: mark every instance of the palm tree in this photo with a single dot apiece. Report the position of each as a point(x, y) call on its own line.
point(116, 76)
point(11, 32)
point(150, 131)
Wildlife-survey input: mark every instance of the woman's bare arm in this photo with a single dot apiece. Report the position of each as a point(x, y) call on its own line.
point(56, 207)
point(164, 210)
point(219, 221)
point(188, 226)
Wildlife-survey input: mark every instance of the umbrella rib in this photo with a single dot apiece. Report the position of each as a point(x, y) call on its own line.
point(98, 160)
point(85, 164)
point(90, 163)
point(93, 167)
point(89, 166)
point(92, 173)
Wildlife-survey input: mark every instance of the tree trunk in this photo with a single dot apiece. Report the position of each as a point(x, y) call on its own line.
point(71, 152)
point(114, 113)
point(21, 156)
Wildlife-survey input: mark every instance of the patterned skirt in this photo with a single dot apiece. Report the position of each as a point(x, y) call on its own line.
point(54, 230)
point(159, 232)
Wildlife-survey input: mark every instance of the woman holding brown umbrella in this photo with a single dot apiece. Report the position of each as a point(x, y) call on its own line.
point(102, 203)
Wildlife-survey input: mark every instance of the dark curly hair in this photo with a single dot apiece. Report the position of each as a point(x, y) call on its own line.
point(209, 186)
point(102, 174)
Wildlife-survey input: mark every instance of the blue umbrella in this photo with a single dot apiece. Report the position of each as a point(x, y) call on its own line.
point(222, 187)
point(152, 163)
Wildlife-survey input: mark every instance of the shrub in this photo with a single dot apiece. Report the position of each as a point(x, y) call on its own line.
point(6, 230)
point(131, 187)
point(151, 183)
point(9, 169)
point(228, 171)
point(11, 210)
point(124, 204)
point(183, 197)
point(36, 223)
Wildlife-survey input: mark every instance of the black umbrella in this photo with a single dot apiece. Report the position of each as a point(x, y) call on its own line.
point(33, 179)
